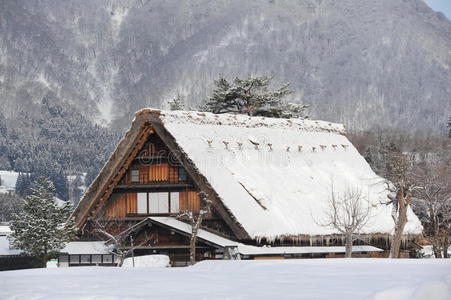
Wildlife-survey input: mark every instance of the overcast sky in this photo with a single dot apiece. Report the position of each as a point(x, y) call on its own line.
point(441, 5)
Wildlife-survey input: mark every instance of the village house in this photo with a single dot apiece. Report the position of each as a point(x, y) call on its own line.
point(269, 181)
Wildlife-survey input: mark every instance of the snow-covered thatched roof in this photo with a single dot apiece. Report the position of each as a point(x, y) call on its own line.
point(275, 175)
point(270, 178)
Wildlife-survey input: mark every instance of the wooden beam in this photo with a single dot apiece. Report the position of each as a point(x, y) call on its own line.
point(160, 187)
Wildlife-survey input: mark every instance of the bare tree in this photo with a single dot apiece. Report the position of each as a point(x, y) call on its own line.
point(434, 204)
point(122, 245)
point(195, 221)
point(348, 212)
point(402, 185)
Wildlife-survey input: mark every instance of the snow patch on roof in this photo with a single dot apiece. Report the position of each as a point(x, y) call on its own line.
point(5, 230)
point(204, 118)
point(8, 179)
point(95, 247)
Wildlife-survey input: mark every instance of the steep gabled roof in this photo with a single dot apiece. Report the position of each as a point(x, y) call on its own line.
point(270, 177)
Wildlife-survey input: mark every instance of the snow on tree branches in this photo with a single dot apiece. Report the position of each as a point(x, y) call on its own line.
point(42, 228)
point(177, 103)
point(252, 96)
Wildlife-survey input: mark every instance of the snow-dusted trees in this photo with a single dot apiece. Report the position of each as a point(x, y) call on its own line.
point(9, 205)
point(42, 228)
point(195, 221)
point(177, 103)
point(347, 212)
point(253, 96)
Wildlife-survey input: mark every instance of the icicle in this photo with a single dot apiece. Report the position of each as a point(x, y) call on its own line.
point(209, 143)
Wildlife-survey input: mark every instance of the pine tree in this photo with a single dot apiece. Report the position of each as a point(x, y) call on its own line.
point(252, 96)
point(42, 228)
point(177, 103)
point(23, 184)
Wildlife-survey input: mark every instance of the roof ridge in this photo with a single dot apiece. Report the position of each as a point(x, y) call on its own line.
point(207, 118)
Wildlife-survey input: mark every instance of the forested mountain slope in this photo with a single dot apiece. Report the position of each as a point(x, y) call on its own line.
point(366, 63)
point(359, 62)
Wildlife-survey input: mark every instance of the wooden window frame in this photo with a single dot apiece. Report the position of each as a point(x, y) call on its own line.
point(132, 176)
point(182, 172)
point(168, 213)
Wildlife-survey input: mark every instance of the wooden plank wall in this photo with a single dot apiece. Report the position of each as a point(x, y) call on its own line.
point(159, 172)
point(120, 205)
point(189, 201)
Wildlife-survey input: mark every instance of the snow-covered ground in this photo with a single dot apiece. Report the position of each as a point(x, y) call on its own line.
point(272, 279)
point(148, 261)
point(428, 253)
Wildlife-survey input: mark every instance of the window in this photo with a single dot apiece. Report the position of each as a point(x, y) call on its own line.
point(96, 258)
point(142, 203)
point(85, 259)
point(182, 175)
point(175, 203)
point(134, 176)
point(74, 259)
point(107, 258)
point(158, 203)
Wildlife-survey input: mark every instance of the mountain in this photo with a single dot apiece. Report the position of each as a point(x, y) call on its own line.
point(361, 62)
point(67, 67)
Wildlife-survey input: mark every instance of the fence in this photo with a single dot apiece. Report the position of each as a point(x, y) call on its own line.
point(17, 262)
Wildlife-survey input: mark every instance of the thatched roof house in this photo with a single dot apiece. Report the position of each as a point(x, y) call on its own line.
point(270, 179)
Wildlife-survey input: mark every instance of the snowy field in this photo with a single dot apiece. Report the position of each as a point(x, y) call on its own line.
point(378, 279)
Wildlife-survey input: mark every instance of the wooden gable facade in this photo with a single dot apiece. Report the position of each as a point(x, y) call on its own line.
point(152, 185)
point(151, 180)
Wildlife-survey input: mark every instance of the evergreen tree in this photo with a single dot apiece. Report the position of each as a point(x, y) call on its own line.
point(55, 143)
point(42, 228)
point(23, 184)
point(177, 103)
point(9, 205)
point(252, 96)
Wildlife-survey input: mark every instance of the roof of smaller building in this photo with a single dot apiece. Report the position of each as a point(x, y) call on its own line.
point(253, 250)
point(91, 247)
point(5, 230)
